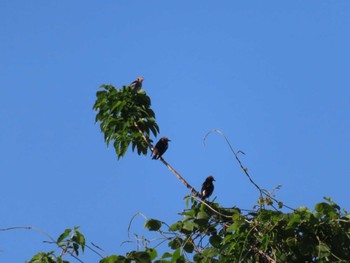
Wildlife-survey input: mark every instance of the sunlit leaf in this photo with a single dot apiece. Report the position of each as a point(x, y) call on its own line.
point(64, 235)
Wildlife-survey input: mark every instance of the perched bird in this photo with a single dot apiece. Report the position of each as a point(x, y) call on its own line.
point(207, 187)
point(136, 85)
point(160, 148)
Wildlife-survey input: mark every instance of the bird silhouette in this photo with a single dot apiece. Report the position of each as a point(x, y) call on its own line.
point(207, 187)
point(136, 85)
point(160, 148)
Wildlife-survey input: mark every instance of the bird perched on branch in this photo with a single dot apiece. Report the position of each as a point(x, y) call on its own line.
point(160, 148)
point(136, 85)
point(207, 187)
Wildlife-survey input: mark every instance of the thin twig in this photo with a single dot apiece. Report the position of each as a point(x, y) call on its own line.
point(129, 226)
point(30, 228)
point(93, 250)
point(245, 170)
point(270, 259)
point(42, 232)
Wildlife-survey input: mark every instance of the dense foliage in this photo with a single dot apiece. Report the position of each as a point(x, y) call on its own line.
point(209, 233)
point(206, 232)
point(213, 234)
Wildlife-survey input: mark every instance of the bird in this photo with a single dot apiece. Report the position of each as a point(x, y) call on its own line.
point(207, 187)
point(136, 85)
point(160, 148)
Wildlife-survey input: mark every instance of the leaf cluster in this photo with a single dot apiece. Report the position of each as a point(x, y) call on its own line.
point(125, 116)
point(209, 233)
point(70, 242)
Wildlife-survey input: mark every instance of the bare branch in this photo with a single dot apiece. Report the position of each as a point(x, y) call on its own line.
point(244, 169)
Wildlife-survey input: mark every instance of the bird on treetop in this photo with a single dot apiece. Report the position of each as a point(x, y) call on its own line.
point(136, 85)
point(160, 148)
point(207, 187)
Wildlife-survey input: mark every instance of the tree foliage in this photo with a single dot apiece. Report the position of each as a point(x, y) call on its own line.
point(207, 232)
point(122, 115)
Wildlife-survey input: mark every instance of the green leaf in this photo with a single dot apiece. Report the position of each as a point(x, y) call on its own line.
point(202, 215)
point(101, 94)
point(167, 255)
point(189, 226)
point(302, 209)
point(153, 224)
point(323, 250)
point(175, 243)
point(210, 252)
point(117, 107)
point(189, 214)
point(236, 216)
point(114, 259)
point(43, 258)
point(154, 129)
point(215, 241)
point(176, 255)
point(235, 226)
point(124, 146)
point(80, 239)
point(188, 247)
point(293, 221)
point(152, 253)
point(321, 207)
point(64, 235)
point(326, 210)
point(177, 226)
point(142, 257)
point(228, 238)
point(331, 202)
point(328, 199)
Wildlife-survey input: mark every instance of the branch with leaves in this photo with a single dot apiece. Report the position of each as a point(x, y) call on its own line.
point(126, 117)
point(69, 243)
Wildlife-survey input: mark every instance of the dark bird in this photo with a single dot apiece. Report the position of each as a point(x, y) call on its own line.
point(160, 148)
point(207, 187)
point(136, 85)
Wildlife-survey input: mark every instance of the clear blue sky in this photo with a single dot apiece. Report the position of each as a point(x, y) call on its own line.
point(272, 75)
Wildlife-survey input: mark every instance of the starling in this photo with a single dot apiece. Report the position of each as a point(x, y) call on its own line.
point(207, 187)
point(136, 85)
point(160, 148)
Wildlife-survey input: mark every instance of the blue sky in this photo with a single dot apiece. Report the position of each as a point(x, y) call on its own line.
point(272, 75)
